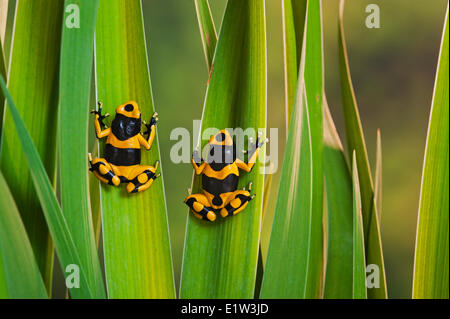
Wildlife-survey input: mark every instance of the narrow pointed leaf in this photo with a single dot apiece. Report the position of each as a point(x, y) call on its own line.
point(207, 29)
point(22, 276)
point(57, 225)
point(220, 258)
point(138, 262)
point(94, 186)
point(359, 260)
point(378, 192)
point(77, 51)
point(33, 83)
point(3, 17)
point(294, 13)
point(294, 266)
point(355, 141)
point(338, 186)
point(3, 284)
point(3, 74)
point(432, 242)
point(338, 182)
point(206, 23)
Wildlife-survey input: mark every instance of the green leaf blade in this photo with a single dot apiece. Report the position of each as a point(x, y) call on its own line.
point(32, 81)
point(21, 273)
point(138, 262)
point(338, 186)
point(355, 141)
point(75, 83)
point(359, 261)
point(378, 191)
point(294, 13)
point(294, 266)
point(338, 279)
point(431, 267)
point(220, 258)
point(3, 16)
point(207, 29)
point(57, 225)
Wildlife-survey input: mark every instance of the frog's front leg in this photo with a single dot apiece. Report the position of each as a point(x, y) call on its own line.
point(237, 202)
point(197, 162)
point(200, 207)
point(253, 154)
point(100, 128)
point(150, 133)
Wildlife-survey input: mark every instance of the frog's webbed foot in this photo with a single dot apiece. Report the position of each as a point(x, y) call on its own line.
point(238, 202)
point(100, 117)
point(199, 205)
point(148, 126)
point(142, 178)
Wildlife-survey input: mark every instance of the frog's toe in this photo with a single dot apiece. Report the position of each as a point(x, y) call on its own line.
point(200, 210)
point(142, 182)
point(237, 204)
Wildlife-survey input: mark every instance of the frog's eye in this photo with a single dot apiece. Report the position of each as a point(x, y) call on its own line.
point(220, 137)
point(129, 107)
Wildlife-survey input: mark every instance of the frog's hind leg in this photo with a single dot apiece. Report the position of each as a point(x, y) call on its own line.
point(200, 207)
point(238, 201)
point(142, 177)
point(103, 171)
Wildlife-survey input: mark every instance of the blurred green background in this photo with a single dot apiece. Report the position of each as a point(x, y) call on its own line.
point(393, 74)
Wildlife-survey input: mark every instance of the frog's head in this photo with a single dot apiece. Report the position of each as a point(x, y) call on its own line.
point(127, 122)
point(222, 149)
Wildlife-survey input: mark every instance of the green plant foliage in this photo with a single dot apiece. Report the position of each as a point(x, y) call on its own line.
point(294, 266)
point(359, 259)
point(75, 83)
point(355, 141)
point(57, 225)
point(3, 74)
point(294, 13)
point(338, 183)
point(33, 83)
point(138, 261)
point(207, 29)
point(3, 16)
point(206, 23)
point(3, 284)
point(432, 243)
point(19, 269)
point(338, 186)
point(378, 192)
point(220, 258)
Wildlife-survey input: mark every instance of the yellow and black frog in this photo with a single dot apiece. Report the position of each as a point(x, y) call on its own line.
point(122, 153)
point(220, 177)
